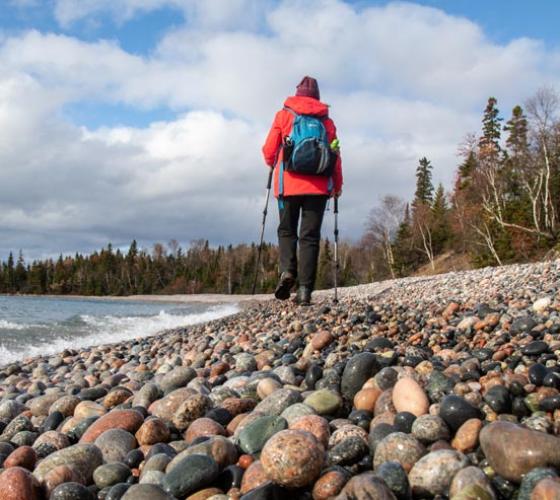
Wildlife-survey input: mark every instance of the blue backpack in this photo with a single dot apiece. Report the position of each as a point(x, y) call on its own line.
point(306, 149)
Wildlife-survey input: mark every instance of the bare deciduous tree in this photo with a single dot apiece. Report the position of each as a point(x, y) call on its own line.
point(382, 225)
point(423, 227)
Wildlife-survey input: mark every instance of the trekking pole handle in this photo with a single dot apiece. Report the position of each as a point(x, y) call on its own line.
point(336, 204)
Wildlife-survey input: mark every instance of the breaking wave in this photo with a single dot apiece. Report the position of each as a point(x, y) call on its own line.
point(84, 330)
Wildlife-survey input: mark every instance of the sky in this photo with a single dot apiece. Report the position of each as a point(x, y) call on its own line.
point(144, 119)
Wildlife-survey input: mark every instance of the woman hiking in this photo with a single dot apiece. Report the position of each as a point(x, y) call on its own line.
point(302, 147)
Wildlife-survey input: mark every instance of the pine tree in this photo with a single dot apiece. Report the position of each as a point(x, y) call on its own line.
point(20, 274)
point(489, 142)
point(424, 187)
point(517, 141)
point(9, 274)
point(466, 171)
point(440, 210)
point(405, 255)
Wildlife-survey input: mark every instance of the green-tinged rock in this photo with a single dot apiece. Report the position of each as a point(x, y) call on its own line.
point(191, 474)
point(531, 479)
point(324, 401)
point(146, 492)
point(254, 436)
point(110, 474)
point(474, 492)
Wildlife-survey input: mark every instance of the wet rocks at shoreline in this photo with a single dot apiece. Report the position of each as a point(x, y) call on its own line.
point(424, 387)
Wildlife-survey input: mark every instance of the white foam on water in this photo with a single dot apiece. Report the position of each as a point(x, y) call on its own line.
point(112, 329)
point(8, 325)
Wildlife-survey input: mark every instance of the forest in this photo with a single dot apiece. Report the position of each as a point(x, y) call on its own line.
point(504, 207)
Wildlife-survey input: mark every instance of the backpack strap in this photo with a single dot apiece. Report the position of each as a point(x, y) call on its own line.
point(281, 172)
point(281, 185)
point(291, 111)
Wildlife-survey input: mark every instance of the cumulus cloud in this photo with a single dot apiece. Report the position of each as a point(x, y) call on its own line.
point(403, 80)
point(208, 14)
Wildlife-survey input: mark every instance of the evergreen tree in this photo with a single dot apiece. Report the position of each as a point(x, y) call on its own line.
point(517, 126)
point(442, 229)
point(466, 171)
point(405, 255)
point(424, 187)
point(489, 142)
point(9, 274)
point(20, 274)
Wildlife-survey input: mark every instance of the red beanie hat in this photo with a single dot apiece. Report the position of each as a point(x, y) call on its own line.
point(308, 87)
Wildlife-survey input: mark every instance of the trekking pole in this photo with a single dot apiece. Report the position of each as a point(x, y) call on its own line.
point(336, 249)
point(265, 211)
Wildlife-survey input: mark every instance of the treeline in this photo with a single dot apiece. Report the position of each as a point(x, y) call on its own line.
point(170, 269)
point(504, 207)
point(163, 270)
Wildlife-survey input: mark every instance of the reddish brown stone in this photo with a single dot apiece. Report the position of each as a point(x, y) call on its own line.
point(236, 406)
point(234, 423)
point(440, 445)
point(329, 485)
point(203, 427)
point(547, 489)
point(321, 340)
point(153, 431)
point(253, 478)
point(466, 438)
point(387, 417)
point(366, 485)
point(365, 399)
point(58, 475)
point(245, 461)
point(24, 456)
point(316, 425)
point(167, 406)
point(292, 458)
point(512, 450)
point(129, 420)
point(116, 397)
point(450, 310)
point(219, 368)
point(18, 483)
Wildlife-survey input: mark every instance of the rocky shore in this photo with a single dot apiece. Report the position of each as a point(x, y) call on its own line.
point(442, 387)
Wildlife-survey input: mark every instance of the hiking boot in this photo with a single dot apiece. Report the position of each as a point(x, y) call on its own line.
point(303, 297)
point(285, 285)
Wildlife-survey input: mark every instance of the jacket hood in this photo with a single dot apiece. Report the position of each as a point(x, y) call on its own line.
point(307, 106)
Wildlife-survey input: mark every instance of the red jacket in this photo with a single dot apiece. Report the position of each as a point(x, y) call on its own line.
point(296, 184)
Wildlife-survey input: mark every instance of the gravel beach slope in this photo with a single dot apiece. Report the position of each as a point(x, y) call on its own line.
point(446, 386)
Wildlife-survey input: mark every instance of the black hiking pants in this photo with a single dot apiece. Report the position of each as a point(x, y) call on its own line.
point(311, 208)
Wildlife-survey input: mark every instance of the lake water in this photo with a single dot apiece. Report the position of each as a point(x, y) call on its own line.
point(32, 326)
